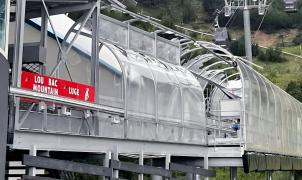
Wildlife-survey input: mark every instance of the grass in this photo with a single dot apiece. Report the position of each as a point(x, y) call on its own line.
point(282, 73)
point(293, 49)
point(224, 173)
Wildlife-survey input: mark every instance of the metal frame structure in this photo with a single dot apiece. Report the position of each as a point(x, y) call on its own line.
point(209, 139)
point(246, 5)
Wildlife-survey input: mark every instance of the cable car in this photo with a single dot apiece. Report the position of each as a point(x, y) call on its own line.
point(221, 36)
point(290, 6)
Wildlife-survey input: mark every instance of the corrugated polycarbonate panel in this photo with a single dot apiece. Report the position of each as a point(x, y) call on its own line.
point(273, 118)
point(168, 93)
point(167, 52)
point(141, 42)
point(127, 36)
point(140, 86)
point(110, 81)
point(112, 31)
point(164, 102)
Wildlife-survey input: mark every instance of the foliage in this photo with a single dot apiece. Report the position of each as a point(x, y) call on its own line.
point(295, 89)
point(189, 14)
point(271, 55)
point(116, 14)
point(168, 20)
point(298, 39)
point(237, 47)
point(223, 173)
point(211, 6)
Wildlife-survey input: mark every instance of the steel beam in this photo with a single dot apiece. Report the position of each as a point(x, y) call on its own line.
point(142, 169)
point(95, 50)
point(60, 1)
point(66, 101)
point(44, 29)
point(192, 170)
point(60, 10)
point(48, 163)
point(63, 142)
point(19, 40)
point(25, 177)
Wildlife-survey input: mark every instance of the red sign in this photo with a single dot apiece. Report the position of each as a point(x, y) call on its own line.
point(57, 87)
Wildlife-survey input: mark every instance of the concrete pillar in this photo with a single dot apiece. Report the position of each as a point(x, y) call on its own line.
point(233, 173)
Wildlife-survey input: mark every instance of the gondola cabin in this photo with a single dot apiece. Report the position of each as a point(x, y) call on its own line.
point(290, 6)
point(221, 37)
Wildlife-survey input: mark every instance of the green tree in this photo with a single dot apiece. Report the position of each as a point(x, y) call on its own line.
point(189, 14)
point(271, 55)
point(295, 89)
point(298, 39)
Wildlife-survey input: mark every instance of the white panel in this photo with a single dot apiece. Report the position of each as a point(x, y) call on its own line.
point(230, 108)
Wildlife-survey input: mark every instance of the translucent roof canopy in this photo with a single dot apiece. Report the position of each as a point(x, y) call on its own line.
point(150, 90)
point(170, 102)
point(271, 119)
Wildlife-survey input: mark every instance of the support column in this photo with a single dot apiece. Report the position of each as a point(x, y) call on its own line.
point(292, 175)
point(115, 157)
point(106, 161)
point(43, 36)
point(233, 173)
point(95, 50)
point(141, 162)
point(167, 163)
point(44, 28)
point(247, 32)
point(189, 176)
point(32, 152)
point(18, 44)
point(206, 164)
point(95, 62)
point(269, 175)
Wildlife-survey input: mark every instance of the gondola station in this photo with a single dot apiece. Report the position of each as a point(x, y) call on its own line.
point(94, 88)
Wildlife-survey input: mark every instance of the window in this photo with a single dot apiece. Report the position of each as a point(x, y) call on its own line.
point(3, 22)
